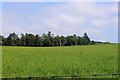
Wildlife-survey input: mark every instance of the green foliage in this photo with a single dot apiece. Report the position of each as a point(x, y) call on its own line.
point(60, 61)
point(0, 62)
point(45, 40)
point(1, 37)
point(12, 40)
point(85, 39)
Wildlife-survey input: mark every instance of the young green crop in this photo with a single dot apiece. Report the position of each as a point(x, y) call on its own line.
point(59, 61)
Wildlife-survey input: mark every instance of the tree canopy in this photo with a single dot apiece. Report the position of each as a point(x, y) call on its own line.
point(44, 40)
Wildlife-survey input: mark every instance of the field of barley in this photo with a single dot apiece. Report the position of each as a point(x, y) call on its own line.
point(60, 61)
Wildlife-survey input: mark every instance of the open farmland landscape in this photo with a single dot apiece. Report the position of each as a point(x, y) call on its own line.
point(60, 61)
point(56, 39)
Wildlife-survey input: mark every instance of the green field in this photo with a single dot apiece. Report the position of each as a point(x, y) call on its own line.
point(59, 61)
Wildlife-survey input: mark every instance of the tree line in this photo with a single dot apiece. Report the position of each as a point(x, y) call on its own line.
point(44, 40)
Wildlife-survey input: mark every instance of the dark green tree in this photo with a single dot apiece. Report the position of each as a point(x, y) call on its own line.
point(63, 41)
point(85, 39)
point(56, 40)
point(23, 40)
point(45, 40)
point(79, 41)
point(50, 39)
point(72, 40)
point(12, 39)
point(37, 41)
point(30, 39)
point(1, 42)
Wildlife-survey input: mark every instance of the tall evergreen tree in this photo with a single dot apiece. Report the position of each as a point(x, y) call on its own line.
point(86, 39)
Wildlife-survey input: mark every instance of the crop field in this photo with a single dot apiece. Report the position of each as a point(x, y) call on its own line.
point(60, 61)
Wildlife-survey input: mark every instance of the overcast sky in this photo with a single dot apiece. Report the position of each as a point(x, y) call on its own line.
point(98, 19)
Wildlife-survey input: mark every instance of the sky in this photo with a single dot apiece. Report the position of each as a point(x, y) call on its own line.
point(98, 19)
point(59, 0)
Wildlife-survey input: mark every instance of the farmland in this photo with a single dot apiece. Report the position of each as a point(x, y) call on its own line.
point(59, 61)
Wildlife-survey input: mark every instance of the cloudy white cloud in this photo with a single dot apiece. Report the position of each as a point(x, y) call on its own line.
point(96, 19)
